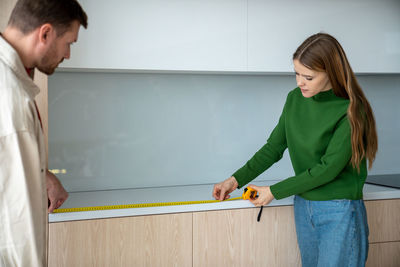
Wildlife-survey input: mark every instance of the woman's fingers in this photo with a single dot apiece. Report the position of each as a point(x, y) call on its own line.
point(264, 195)
point(257, 188)
point(219, 192)
point(257, 202)
point(222, 194)
point(216, 192)
point(222, 190)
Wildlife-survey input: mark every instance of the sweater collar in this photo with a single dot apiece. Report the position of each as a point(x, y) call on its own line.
point(325, 95)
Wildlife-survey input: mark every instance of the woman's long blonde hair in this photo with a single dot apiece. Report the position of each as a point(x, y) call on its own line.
point(322, 52)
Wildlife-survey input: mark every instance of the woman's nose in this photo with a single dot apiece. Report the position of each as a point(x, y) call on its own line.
point(300, 82)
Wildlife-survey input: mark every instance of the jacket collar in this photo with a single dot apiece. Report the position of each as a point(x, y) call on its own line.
point(11, 58)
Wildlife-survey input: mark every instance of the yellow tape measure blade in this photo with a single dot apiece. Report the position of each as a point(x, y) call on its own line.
point(142, 205)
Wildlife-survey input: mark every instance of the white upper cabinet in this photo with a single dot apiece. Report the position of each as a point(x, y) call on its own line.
point(369, 31)
point(189, 35)
point(233, 35)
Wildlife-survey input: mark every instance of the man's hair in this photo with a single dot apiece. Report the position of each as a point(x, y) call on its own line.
point(28, 15)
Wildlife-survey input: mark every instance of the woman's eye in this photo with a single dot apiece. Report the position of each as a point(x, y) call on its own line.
point(309, 78)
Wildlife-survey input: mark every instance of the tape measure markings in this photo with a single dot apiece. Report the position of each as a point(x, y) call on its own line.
point(142, 205)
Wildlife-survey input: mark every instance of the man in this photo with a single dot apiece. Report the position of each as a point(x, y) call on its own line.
point(38, 35)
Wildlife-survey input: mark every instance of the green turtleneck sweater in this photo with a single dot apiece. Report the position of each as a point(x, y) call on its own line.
point(318, 135)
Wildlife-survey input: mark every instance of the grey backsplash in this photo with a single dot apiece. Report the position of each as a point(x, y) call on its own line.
point(131, 130)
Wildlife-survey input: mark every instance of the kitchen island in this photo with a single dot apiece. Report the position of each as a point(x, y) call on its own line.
point(201, 234)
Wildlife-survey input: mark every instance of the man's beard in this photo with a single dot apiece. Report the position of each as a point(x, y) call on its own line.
point(45, 65)
point(46, 70)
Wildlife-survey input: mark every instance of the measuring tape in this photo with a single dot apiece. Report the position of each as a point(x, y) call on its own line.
point(143, 205)
point(248, 193)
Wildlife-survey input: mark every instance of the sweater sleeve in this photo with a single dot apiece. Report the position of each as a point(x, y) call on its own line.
point(335, 159)
point(264, 158)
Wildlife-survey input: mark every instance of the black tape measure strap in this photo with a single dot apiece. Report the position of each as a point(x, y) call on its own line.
point(259, 214)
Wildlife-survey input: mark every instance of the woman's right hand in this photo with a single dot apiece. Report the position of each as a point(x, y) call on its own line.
point(222, 190)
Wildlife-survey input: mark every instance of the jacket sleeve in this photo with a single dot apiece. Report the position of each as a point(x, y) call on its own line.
point(23, 193)
point(264, 158)
point(335, 159)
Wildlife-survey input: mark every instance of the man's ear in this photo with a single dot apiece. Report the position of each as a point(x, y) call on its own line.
point(46, 33)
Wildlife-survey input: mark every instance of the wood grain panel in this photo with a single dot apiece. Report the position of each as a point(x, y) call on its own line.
point(235, 238)
point(384, 255)
point(159, 240)
point(383, 220)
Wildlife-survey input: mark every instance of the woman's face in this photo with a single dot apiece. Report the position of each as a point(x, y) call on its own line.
point(311, 82)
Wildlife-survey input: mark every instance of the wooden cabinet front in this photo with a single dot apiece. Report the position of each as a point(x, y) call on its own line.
point(384, 233)
point(235, 238)
point(159, 240)
point(210, 238)
point(384, 255)
point(383, 220)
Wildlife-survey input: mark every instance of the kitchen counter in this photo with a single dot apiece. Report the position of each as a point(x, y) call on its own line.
point(175, 194)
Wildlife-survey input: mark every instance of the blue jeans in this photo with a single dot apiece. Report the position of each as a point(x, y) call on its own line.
point(331, 233)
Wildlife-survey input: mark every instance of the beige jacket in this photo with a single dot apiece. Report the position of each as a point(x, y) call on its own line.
point(23, 196)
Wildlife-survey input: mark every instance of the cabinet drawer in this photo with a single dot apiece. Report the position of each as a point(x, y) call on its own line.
point(235, 238)
point(157, 240)
point(384, 255)
point(383, 220)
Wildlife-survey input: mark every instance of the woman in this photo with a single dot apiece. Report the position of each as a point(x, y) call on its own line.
point(329, 128)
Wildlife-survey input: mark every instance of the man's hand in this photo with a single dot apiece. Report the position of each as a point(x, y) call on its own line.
point(55, 191)
point(222, 190)
point(264, 195)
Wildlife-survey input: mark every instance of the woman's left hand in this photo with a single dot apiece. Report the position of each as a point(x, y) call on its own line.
point(264, 195)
